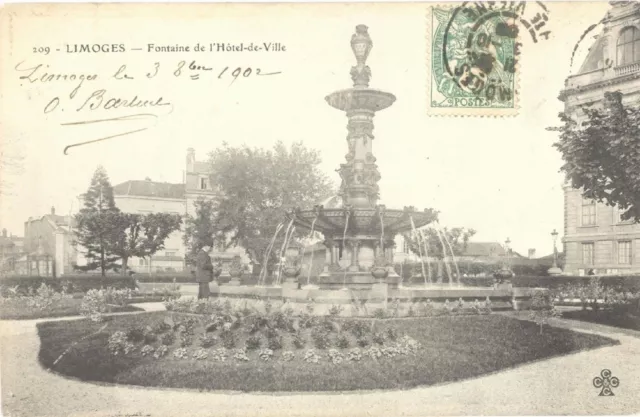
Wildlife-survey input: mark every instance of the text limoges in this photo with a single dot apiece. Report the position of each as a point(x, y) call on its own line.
point(73, 48)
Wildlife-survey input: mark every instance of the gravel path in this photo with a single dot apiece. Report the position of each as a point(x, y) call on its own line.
point(561, 385)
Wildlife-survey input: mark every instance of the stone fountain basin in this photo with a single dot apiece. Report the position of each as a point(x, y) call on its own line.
point(503, 298)
point(362, 221)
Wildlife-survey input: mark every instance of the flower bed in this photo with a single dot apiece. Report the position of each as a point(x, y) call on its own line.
point(47, 302)
point(249, 350)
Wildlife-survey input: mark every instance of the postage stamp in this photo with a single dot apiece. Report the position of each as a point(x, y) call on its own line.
point(473, 56)
point(473, 62)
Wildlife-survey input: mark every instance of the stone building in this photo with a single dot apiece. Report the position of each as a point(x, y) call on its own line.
point(146, 196)
point(11, 250)
point(48, 246)
point(596, 241)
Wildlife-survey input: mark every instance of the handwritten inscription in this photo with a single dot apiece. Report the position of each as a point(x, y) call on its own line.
point(99, 98)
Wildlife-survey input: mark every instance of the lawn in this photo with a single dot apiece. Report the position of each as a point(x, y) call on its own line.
point(16, 309)
point(622, 319)
point(453, 348)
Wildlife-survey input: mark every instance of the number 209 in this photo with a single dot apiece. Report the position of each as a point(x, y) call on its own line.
point(41, 50)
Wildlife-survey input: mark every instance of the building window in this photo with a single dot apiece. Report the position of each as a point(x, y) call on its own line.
point(204, 183)
point(587, 253)
point(405, 245)
point(588, 212)
point(141, 262)
point(628, 46)
point(618, 217)
point(624, 252)
point(169, 253)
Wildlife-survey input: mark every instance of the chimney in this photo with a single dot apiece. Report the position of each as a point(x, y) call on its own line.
point(191, 159)
point(4, 232)
point(53, 210)
point(532, 253)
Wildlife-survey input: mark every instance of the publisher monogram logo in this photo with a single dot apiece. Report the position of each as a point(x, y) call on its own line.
point(606, 382)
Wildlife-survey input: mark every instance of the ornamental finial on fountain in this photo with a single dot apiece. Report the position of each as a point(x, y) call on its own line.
point(361, 45)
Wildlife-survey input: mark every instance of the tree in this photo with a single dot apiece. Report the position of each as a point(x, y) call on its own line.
point(201, 230)
point(142, 235)
point(440, 242)
point(96, 224)
point(602, 154)
point(257, 186)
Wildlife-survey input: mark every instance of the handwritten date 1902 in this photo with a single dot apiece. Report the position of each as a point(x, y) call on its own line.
point(194, 69)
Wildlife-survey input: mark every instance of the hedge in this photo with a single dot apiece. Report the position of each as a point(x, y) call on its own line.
point(627, 282)
point(77, 283)
point(83, 283)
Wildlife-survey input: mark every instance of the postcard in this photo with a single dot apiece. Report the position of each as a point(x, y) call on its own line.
point(320, 209)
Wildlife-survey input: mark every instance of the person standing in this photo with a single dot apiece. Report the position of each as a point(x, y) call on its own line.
point(204, 272)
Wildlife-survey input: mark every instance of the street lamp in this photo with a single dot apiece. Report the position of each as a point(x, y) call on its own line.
point(508, 251)
point(555, 270)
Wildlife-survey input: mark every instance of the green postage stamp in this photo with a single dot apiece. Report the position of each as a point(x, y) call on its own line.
point(473, 55)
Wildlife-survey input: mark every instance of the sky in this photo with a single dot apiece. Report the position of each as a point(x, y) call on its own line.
point(497, 175)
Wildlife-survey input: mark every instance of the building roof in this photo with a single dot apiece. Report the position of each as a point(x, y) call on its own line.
point(201, 167)
point(484, 249)
point(146, 188)
point(6, 242)
point(594, 58)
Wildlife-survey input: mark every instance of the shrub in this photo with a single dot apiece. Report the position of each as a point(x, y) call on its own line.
point(342, 341)
point(320, 338)
point(207, 340)
point(118, 344)
point(161, 327)
point(335, 310)
point(542, 309)
point(392, 333)
point(186, 340)
point(360, 329)
point(167, 339)
point(310, 306)
point(228, 339)
point(253, 342)
point(378, 338)
point(150, 337)
point(299, 341)
point(275, 343)
point(288, 356)
point(135, 334)
point(363, 342)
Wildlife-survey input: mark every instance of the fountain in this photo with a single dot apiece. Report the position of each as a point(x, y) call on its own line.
point(358, 232)
point(356, 229)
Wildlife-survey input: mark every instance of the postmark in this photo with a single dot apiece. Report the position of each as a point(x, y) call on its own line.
point(473, 55)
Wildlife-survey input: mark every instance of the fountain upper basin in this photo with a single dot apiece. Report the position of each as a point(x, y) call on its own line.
point(362, 221)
